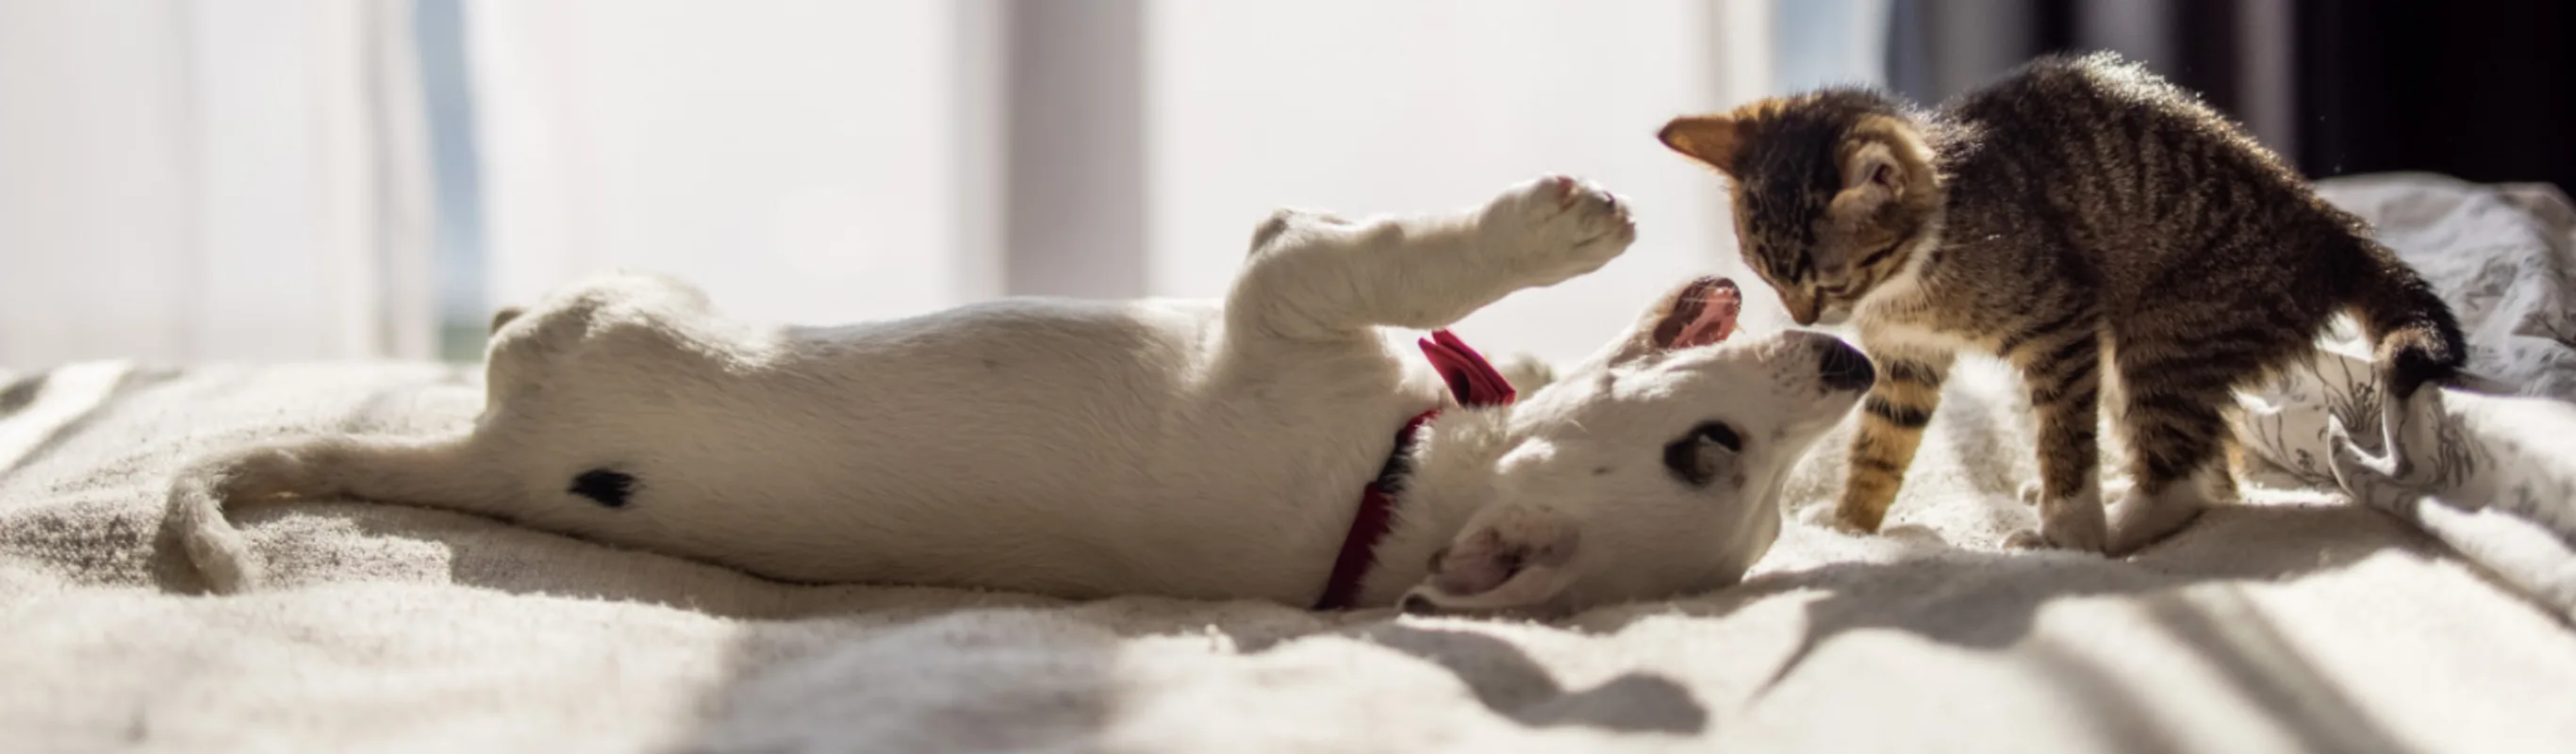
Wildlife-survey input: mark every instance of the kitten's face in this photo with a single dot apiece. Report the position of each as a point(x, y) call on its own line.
point(1827, 193)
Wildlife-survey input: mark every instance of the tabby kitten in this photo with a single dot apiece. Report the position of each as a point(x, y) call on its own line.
point(2104, 231)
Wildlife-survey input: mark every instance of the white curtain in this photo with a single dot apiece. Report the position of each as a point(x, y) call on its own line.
point(809, 160)
point(800, 160)
point(186, 182)
point(247, 179)
point(1365, 106)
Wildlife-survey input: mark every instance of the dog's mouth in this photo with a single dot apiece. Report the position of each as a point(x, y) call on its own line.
point(1702, 313)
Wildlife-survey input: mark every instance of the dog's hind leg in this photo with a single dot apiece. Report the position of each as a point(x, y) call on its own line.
point(1313, 276)
point(436, 473)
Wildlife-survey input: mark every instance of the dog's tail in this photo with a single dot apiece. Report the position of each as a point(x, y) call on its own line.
point(220, 553)
point(433, 473)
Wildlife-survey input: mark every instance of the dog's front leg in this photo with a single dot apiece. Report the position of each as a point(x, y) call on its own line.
point(1314, 276)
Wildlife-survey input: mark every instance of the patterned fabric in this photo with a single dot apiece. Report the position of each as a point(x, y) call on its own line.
point(2489, 469)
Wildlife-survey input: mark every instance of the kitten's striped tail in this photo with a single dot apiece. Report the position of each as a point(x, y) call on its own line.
point(2414, 337)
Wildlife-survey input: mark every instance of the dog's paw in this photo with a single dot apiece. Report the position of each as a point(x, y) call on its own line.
point(266, 472)
point(1556, 228)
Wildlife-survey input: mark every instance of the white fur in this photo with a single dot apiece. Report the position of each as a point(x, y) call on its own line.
point(1095, 448)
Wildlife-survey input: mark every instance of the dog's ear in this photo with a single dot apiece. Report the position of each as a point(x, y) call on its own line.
point(1514, 559)
point(1715, 140)
point(1698, 313)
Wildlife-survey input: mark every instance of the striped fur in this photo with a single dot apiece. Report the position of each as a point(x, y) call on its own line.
point(1892, 419)
point(2093, 225)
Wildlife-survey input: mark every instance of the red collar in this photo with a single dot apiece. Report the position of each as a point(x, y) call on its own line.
point(1474, 383)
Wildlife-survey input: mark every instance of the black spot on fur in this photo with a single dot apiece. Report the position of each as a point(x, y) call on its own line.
point(608, 486)
point(20, 394)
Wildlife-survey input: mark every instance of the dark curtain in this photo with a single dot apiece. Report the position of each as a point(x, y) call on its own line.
point(2483, 89)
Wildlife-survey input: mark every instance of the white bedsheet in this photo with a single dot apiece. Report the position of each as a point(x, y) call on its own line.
point(2294, 623)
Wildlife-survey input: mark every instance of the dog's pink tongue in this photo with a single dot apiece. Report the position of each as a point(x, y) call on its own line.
point(1716, 319)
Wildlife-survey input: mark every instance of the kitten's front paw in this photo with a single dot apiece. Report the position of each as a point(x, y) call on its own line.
point(1556, 228)
point(1853, 519)
point(1824, 516)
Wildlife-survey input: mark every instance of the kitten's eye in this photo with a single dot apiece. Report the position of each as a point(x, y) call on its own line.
point(1718, 432)
point(1878, 256)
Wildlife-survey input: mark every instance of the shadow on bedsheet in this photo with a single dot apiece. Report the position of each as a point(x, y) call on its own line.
point(1007, 679)
point(1990, 600)
point(1507, 682)
point(812, 652)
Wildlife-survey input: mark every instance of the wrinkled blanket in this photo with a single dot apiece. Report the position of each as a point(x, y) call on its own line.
point(2298, 621)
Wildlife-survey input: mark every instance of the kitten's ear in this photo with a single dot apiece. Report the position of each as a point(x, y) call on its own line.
point(1712, 139)
point(1884, 163)
point(1872, 169)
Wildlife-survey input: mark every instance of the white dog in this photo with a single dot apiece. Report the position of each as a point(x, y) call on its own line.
point(1249, 449)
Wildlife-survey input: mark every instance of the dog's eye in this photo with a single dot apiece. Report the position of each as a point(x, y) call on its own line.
point(1718, 432)
point(1693, 459)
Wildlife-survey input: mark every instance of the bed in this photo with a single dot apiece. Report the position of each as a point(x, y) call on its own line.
point(2333, 611)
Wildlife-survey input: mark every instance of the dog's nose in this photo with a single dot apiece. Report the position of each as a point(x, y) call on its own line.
point(1844, 367)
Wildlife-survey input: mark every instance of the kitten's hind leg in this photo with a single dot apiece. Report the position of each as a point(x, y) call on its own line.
point(2176, 442)
point(2063, 373)
point(2144, 517)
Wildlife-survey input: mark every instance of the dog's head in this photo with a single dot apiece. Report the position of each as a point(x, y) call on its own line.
point(1651, 469)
